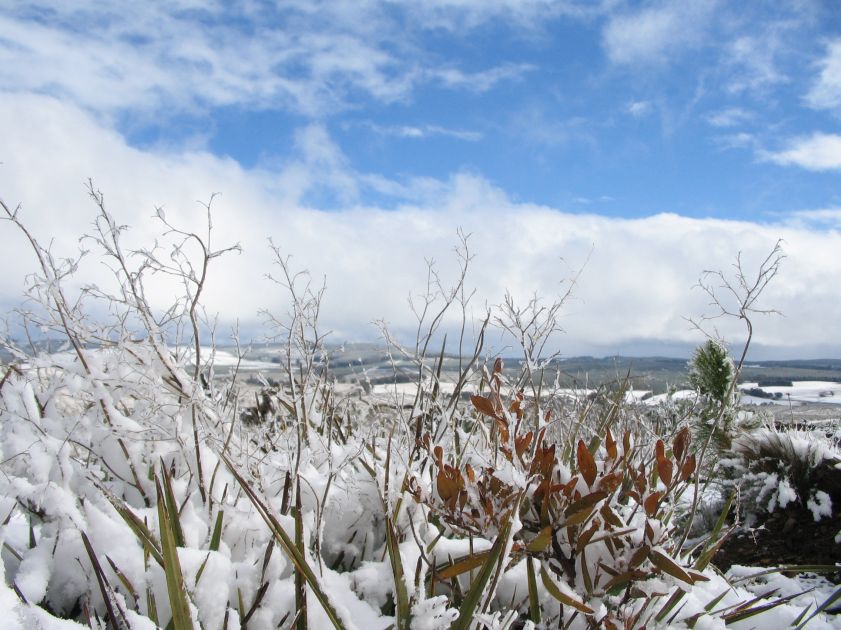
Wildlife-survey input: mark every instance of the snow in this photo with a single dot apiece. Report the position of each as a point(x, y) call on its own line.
point(820, 505)
point(799, 392)
point(65, 469)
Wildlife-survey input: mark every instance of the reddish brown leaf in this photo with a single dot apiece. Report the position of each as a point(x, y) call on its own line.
point(586, 463)
point(651, 503)
point(484, 405)
point(610, 516)
point(449, 482)
point(610, 482)
point(610, 444)
point(439, 454)
point(584, 538)
point(523, 442)
point(688, 468)
point(664, 468)
point(667, 565)
point(639, 556)
point(680, 443)
point(462, 565)
point(587, 501)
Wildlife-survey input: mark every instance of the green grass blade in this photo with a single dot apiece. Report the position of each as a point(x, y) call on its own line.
point(472, 599)
point(401, 595)
point(175, 586)
point(711, 546)
point(172, 508)
point(534, 601)
point(103, 583)
point(288, 546)
point(216, 538)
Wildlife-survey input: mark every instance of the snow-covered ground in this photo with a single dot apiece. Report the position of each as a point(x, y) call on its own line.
point(799, 392)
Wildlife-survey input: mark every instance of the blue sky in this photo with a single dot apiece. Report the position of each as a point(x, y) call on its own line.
point(588, 131)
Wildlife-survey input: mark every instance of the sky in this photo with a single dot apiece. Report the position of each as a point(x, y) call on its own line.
point(628, 145)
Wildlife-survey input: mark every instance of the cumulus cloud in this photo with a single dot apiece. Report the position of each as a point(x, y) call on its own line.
point(818, 152)
point(635, 285)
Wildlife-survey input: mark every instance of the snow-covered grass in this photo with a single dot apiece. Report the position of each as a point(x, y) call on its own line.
point(132, 495)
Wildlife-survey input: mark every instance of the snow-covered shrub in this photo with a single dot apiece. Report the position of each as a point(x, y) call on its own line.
point(775, 468)
point(133, 496)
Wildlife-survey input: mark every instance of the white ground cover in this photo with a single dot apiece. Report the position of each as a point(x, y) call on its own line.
point(68, 470)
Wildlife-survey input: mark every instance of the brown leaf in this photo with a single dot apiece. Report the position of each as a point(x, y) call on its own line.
point(680, 443)
point(586, 463)
point(664, 465)
point(522, 443)
point(584, 538)
point(610, 444)
point(585, 502)
point(562, 597)
point(449, 482)
point(610, 516)
point(610, 481)
point(484, 405)
point(576, 518)
point(688, 468)
point(462, 565)
point(651, 503)
point(542, 541)
point(667, 565)
point(639, 556)
point(623, 578)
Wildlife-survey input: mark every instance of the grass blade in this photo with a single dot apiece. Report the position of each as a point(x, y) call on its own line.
point(175, 587)
point(562, 597)
point(216, 538)
point(401, 596)
point(534, 601)
point(836, 595)
point(103, 587)
point(472, 599)
point(300, 583)
point(288, 546)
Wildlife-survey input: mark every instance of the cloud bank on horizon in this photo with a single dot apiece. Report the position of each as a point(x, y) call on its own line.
point(644, 142)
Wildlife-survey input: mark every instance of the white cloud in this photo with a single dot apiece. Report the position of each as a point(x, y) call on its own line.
point(825, 92)
point(424, 131)
point(638, 109)
point(149, 58)
point(481, 81)
point(752, 60)
point(741, 140)
point(818, 152)
point(636, 285)
point(650, 35)
point(730, 117)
